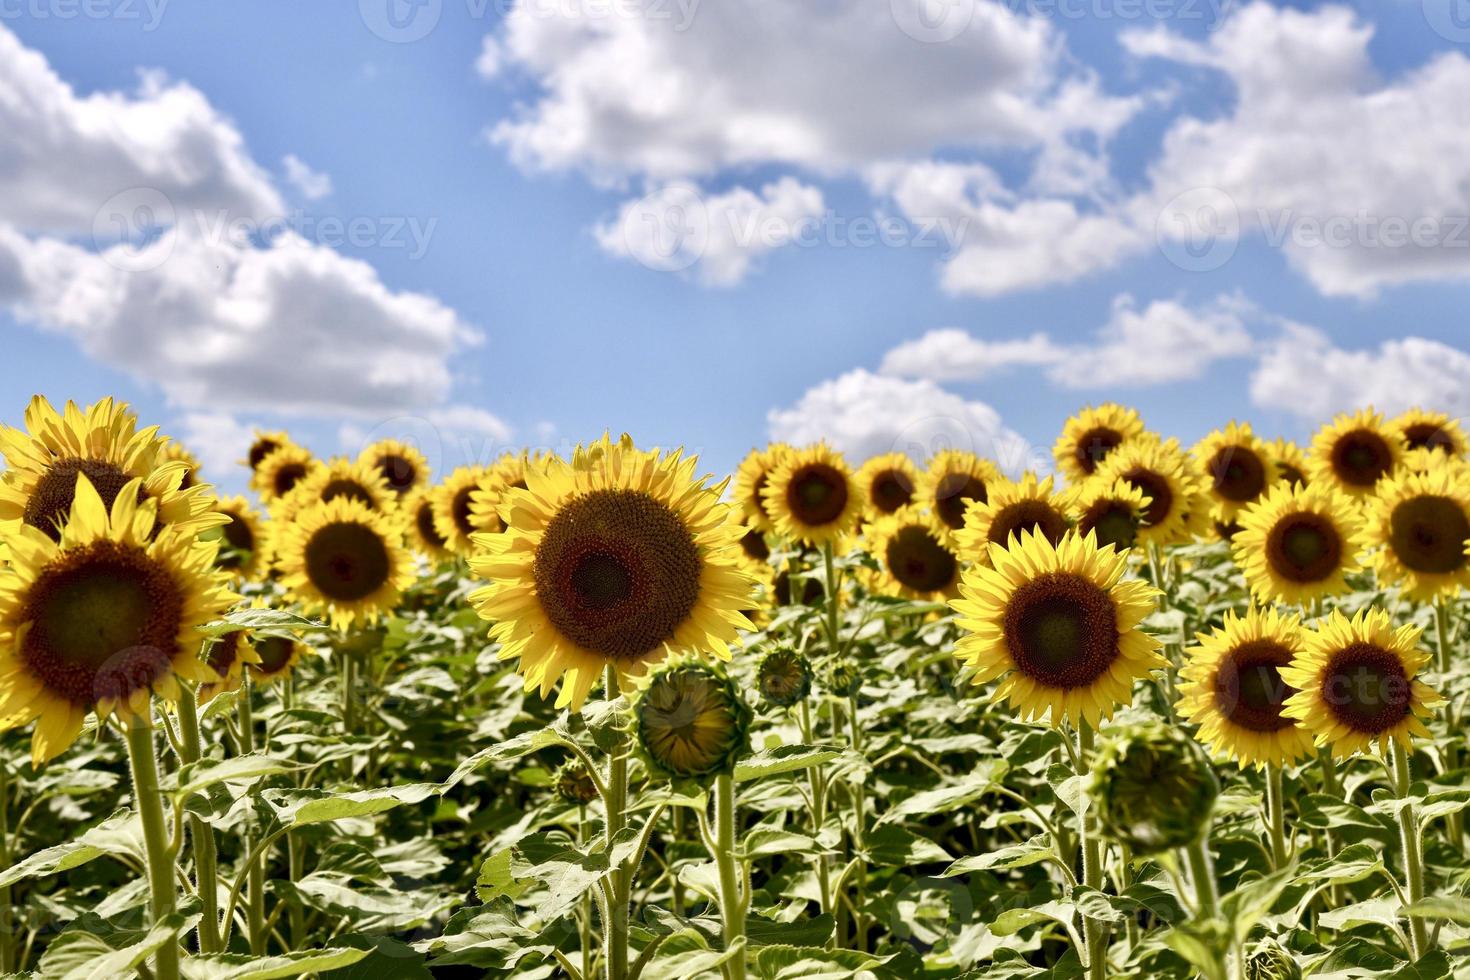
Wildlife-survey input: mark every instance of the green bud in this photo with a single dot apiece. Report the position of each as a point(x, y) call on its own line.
point(690, 721)
point(1270, 961)
point(574, 784)
point(1152, 787)
point(842, 679)
point(784, 677)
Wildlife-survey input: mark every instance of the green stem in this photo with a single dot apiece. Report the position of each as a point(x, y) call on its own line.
point(349, 693)
point(255, 904)
point(1330, 787)
point(163, 894)
point(1202, 876)
point(296, 862)
point(12, 920)
point(615, 930)
point(1455, 822)
point(859, 836)
point(732, 903)
point(201, 834)
point(1276, 816)
point(676, 887)
point(1413, 855)
point(818, 782)
point(1094, 930)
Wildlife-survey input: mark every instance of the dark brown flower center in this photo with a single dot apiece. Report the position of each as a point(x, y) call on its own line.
point(1361, 457)
point(1062, 630)
point(953, 493)
point(459, 510)
point(617, 572)
point(1226, 530)
point(1156, 488)
point(1249, 689)
point(239, 542)
point(347, 561)
point(1291, 474)
point(1428, 534)
point(105, 621)
point(753, 543)
point(811, 590)
point(424, 519)
point(49, 506)
point(890, 490)
point(286, 477)
point(1366, 688)
point(817, 494)
point(1428, 435)
point(917, 560)
point(757, 492)
point(1093, 447)
point(1304, 547)
point(274, 653)
point(399, 471)
point(1112, 521)
point(1239, 475)
point(1027, 515)
point(224, 652)
point(260, 449)
point(350, 489)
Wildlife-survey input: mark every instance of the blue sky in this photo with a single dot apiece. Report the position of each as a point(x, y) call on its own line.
point(519, 145)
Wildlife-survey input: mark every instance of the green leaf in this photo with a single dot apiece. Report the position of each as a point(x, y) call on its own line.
point(233, 966)
point(298, 808)
point(812, 963)
point(900, 847)
point(120, 834)
point(250, 618)
point(786, 758)
point(496, 878)
point(511, 749)
point(92, 950)
point(1033, 851)
point(764, 842)
point(1449, 908)
point(686, 954)
point(947, 799)
point(200, 776)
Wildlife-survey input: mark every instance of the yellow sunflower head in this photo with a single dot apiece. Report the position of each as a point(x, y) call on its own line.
point(226, 657)
point(337, 479)
point(1059, 625)
point(755, 551)
point(1419, 524)
point(1160, 471)
point(914, 560)
point(953, 481)
point(1010, 510)
point(1291, 462)
point(454, 515)
point(616, 558)
point(1112, 511)
point(1232, 689)
point(103, 619)
point(343, 560)
point(242, 540)
point(1091, 435)
point(174, 452)
point(811, 496)
point(1357, 683)
point(276, 656)
point(1299, 543)
point(888, 482)
point(1435, 431)
point(750, 483)
point(402, 467)
point(1237, 469)
point(280, 472)
point(103, 444)
point(1354, 452)
point(418, 512)
point(263, 445)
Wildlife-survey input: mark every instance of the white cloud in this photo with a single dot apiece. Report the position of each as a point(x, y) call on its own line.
point(719, 236)
point(219, 441)
point(864, 414)
point(451, 436)
point(954, 355)
point(313, 184)
point(1305, 374)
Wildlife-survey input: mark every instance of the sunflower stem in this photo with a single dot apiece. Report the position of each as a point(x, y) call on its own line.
point(1276, 816)
point(1207, 891)
point(859, 834)
point(1413, 854)
point(1455, 822)
point(1333, 788)
point(201, 834)
point(7, 928)
point(163, 893)
point(1094, 930)
point(732, 903)
point(818, 782)
point(255, 904)
point(615, 929)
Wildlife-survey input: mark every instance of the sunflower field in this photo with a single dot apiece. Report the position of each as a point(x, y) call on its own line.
point(1168, 712)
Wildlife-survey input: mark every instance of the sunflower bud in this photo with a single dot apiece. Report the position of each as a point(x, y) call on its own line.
point(842, 679)
point(1153, 788)
point(784, 677)
point(573, 783)
point(1270, 962)
point(691, 722)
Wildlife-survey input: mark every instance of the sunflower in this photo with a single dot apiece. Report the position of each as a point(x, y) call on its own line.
point(174, 452)
point(103, 619)
point(1237, 469)
point(343, 559)
point(1420, 526)
point(418, 511)
point(1354, 452)
point(1291, 462)
point(888, 482)
point(912, 556)
point(275, 657)
point(243, 539)
point(1112, 511)
point(1298, 544)
point(811, 496)
point(1232, 689)
point(755, 551)
point(280, 472)
point(1059, 625)
point(44, 459)
point(402, 467)
point(1176, 504)
point(1010, 510)
point(750, 482)
point(1091, 435)
point(508, 472)
point(614, 559)
point(453, 517)
point(1431, 430)
point(1356, 683)
point(953, 481)
point(690, 721)
point(337, 479)
point(263, 445)
point(227, 657)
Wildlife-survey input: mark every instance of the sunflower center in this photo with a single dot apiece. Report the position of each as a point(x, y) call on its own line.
point(1366, 689)
point(350, 489)
point(398, 471)
point(224, 652)
point(424, 519)
point(1112, 522)
point(347, 561)
point(49, 506)
point(1428, 435)
point(1093, 447)
point(890, 490)
point(1249, 689)
point(920, 562)
point(1061, 630)
point(459, 511)
point(617, 572)
point(757, 492)
point(953, 493)
point(105, 620)
point(274, 653)
point(817, 494)
point(286, 478)
point(1239, 474)
point(241, 542)
point(1304, 547)
point(1291, 474)
point(260, 450)
point(1428, 534)
point(1361, 457)
point(1027, 515)
point(753, 543)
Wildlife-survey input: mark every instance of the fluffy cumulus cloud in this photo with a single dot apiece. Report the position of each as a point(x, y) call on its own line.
point(1303, 372)
point(312, 184)
point(864, 414)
